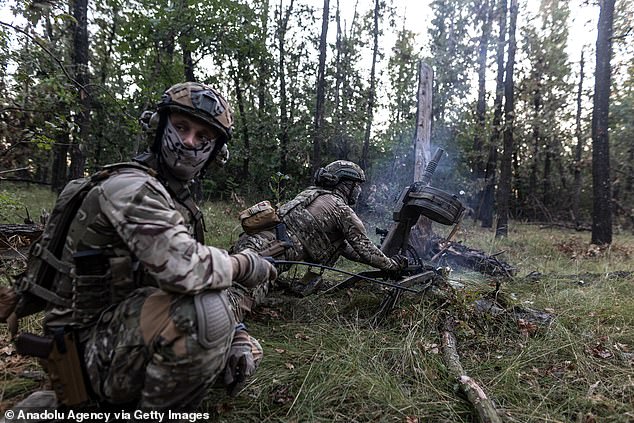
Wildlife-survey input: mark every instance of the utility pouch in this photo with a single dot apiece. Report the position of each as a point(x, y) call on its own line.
point(259, 217)
point(65, 370)
point(281, 243)
point(33, 345)
point(275, 250)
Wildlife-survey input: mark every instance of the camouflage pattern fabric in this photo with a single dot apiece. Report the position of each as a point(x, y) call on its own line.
point(322, 227)
point(147, 268)
point(145, 351)
point(143, 237)
point(326, 228)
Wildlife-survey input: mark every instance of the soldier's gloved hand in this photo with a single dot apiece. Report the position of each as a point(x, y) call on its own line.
point(240, 364)
point(251, 269)
point(400, 262)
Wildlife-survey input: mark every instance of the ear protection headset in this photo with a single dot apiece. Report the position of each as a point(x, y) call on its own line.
point(326, 179)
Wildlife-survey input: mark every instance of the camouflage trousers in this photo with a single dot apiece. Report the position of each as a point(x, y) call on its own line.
point(146, 351)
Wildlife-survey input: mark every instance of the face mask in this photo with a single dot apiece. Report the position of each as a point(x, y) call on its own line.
point(183, 162)
point(354, 194)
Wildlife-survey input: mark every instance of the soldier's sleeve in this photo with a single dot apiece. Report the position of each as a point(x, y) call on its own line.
point(357, 238)
point(144, 215)
point(349, 253)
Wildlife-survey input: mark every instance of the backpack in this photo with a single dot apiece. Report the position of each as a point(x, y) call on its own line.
point(33, 288)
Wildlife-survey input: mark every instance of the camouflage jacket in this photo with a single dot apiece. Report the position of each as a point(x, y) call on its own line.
point(327, 228)
point(131, 231)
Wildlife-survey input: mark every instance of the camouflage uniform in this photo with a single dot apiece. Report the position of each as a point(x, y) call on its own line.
point(142, 344)
point(146, 298)
point(322, 227)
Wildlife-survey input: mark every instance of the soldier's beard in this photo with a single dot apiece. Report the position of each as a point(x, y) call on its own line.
point(181, 161)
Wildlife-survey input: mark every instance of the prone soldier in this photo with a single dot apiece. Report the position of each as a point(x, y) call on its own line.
point(318, 226)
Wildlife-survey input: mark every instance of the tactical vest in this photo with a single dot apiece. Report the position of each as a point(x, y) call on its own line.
point(89, 280)
point(307, 228)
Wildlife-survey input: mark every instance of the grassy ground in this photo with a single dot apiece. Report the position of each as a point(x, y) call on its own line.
point(324, 362)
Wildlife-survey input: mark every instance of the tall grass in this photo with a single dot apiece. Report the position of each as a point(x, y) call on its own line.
point(325, 362)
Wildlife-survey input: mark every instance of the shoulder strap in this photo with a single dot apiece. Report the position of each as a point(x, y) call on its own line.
point(304, 198)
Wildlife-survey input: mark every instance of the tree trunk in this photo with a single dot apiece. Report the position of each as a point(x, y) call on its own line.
point(80, 64)
point(537, 140)
point(283, 134)
point(422, 140)
point(480, 129)
point(59, 174)
point(321, 90)
point(422, 136)
point(547, 177)
point(601, 187)
point(504, 189)
point(188, 64)
point(370, 110)
point(241, 110)
point(578, 148)
point(103, 77)
point(264, 72)
point(485, 208)
point(338, 73)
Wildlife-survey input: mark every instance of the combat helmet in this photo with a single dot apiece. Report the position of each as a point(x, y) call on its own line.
point(337, 171)
point(201, 101)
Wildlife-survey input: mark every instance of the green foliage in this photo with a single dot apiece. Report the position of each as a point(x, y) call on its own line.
point(137, 49)
point(277, 185)
point(15, 200)
point(9, 204)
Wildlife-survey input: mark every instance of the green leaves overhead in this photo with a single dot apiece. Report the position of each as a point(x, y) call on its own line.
point(263, 55)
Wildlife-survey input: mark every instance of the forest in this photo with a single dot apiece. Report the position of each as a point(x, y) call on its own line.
point(511, 107)
point(532, 103)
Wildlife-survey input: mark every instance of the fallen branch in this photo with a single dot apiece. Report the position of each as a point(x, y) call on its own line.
point(454, 253)
point(484, 407)
point(546, 225)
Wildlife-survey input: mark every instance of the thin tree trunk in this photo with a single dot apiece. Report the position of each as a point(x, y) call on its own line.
point(103, 77)
point(321, 90)
point(80, 63)
point(601, 187)
point(370, 110)
point(59, 171)
point(188, 64)
point(504, 189)
point(263, 74)
point(485, 209)
point(537, 139)
point(338, 73)
point(284, 121)
point(480, 130)
point(547, 177)
point(578, 149)
point(422, 140)
point(241, 110)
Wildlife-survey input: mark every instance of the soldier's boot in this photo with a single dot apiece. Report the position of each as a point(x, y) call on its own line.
point(38, 402)
point(308, 285)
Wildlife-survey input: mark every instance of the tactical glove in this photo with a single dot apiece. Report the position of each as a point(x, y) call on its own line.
point(399, 262)
point(251, 269)
point(240, 364)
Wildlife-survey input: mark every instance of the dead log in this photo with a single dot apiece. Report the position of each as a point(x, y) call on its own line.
point(15, 239)
point(22, 229)
point(546, 225)
point(579, 278)
point(484, 407)
point(455, 254)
